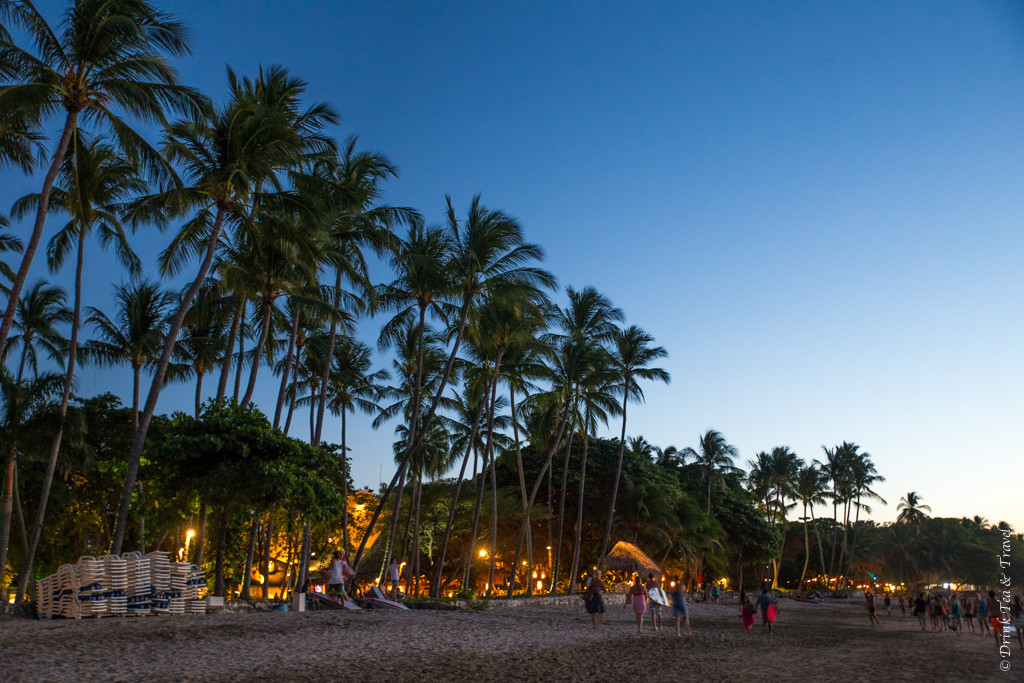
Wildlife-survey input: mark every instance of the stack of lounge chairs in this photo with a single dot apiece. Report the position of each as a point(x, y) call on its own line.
point(132, 584)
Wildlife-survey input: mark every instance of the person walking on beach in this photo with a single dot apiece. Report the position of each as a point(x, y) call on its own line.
point(983, 626)
point(992, 607)
point(679, 610)
point(654, 606)
point(968, 605)
point(747, 611)
point(1017, 616)
point(888, 604)
point(637, 595)
point(340, 573)
point(766, 603)
point(903, 605)
point(869, 601)
point(593, 599)
point(393, 577)
point(921, 610)
point(956, 614)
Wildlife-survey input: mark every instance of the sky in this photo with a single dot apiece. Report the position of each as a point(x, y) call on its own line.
point(814, 207)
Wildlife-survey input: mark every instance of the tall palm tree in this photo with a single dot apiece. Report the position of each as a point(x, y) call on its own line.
point(632, 353)
point(8, 243)
point(225, 155)
point(109, 54)
point(911, 509)
point(584, 328)
point(489, 256)
point(94, 181)
point(810, 489)
point(352, 386)
point(136, 333)
point(837, 468)
point(21, 143)
point(864, 476)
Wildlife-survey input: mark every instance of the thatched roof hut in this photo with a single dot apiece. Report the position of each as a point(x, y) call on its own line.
point(626, 557)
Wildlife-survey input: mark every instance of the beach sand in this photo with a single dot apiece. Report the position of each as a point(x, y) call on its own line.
point(554, 642)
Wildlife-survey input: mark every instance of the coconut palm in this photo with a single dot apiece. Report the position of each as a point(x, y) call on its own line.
point(40, 313)
point(8, 243)
point(632, 354)
point(489, 256)
point(837, 468)
point(226, 155)
point(109, 54)
point(27, 417)
point(352, 387)
point(713, 461)
point(136, 333)
point(93, 182)
point(203, 335)
point(864, 476)
point(810, 489)
point(911, 510)
point(21, 143)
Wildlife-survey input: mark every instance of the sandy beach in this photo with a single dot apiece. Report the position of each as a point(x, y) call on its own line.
point(811, 642)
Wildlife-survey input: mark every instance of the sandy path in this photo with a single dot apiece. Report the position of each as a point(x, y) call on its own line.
point(811, 643)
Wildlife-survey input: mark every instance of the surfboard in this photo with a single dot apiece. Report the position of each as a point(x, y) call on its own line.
point(658, 595)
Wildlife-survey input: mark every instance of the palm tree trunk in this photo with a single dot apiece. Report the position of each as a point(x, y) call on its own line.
point(158, 381)
point(51, 465)
point(229, 350)
point(6, 508)
point(414, 562)
point(222, 544)
point(250, 556)
point(579, 518)
point(287, 369)
point(807, 552)
point(835, 536)
point(199, 391)
point(618, 475)
point(307, 539)
point(258, 352)
point(325, 374)
point(19, 514)
point(455, 501)
point(402, 470)
point(414, 443)
point(200, 535)
point(525, 525)
point(344, 484)
point(136, 378)
point(561, 511)
point(494, 479)
point(70, 125)
point(239, 363)
point(522, 486)
point(821, 550)
point(268, 545)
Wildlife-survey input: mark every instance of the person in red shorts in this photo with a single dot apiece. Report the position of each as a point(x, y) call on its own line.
point(992, 606)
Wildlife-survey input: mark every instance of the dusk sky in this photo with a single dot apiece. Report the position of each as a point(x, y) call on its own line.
point(815, 207)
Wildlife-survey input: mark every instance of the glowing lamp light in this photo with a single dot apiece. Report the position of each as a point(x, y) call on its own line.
point(535, 575)
point(540, 585)
point(483, 553)
point(189, 535)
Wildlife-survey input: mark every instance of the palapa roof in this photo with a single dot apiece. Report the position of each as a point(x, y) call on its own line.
point(626, 557)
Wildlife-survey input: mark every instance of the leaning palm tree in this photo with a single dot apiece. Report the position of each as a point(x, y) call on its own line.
point(93, 182)
point(911, 509)
point(109, 54)
point(226, 155)
point(631, 354)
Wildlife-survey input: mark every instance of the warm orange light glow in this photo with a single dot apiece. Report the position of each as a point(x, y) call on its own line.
point(483, 553)
point(543, 575)
point(540, 585)
point(189, 534)
point(535, 575)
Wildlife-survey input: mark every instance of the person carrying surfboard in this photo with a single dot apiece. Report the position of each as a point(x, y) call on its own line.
point(657, 600)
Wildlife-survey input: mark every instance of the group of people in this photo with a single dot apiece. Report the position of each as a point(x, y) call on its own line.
point(638, 596)
point(955, 611)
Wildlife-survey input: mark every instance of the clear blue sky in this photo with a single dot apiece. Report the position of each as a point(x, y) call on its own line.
point(815, 207)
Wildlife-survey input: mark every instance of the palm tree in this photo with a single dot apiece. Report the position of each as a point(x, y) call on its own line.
point(94, 180)
point(489, 256)
point(713, 461)
point(352, 387)
point(40, 312)
point(631, 354)
point(864, 475)
point(135, 334)
point(810, 489)
point(586, 324)
point(226, 155)
point(203, 335)
point(110, 54)
point(26, 418)
point(21, 143)
point(837, 469)
point(8, 243)
point(911, 509)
